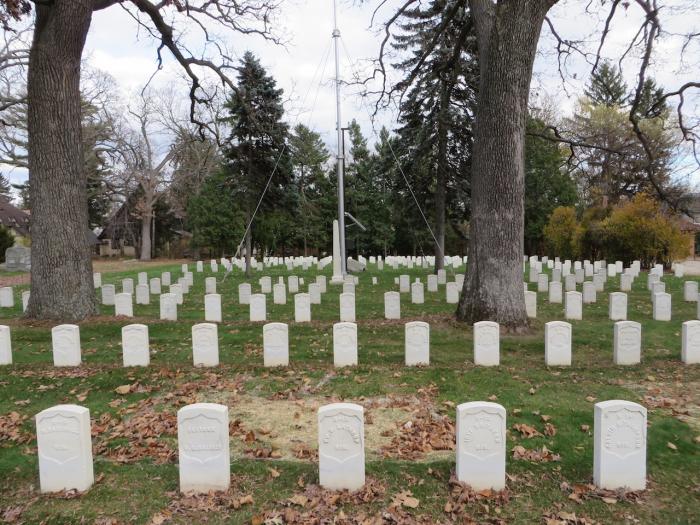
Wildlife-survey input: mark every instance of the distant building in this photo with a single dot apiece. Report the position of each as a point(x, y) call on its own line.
point(690, 222)
point(14, 219)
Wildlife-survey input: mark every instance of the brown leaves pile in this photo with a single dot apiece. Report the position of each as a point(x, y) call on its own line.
point(483, 502)
point(11, 428)
point(537, 455)
point(425, 432)
point(579, 492)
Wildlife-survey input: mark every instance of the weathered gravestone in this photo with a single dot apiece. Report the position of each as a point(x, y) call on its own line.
point(690, 291)
point(25, 299)
point(210, 285)
point(347, 307)
point(531, 304)
point(341, 446)
point(7, 297)
point(487, 343)
point(266, 284)
point(432, 283)
point(135, 345)
point(690, 348)
point(417, 293)
point(344, 344)
point(205, 344)
point(96, 279)
point(168, 307)
point(417, 342)
point(573, 305)
point(555, 293)
point(627, 343)
point(451, 293)
point(589, 293)
point(661, 306)
point(123, 305)
point(279, 294)
point(619, 445)
point(557, 343)
point(108, 294)
point(392, 305)
point(203, 447)
point(302, 308)
point(315, 293)
point(18, 259)
point(155, 285)
point(5, 345)
point(617, 306)
point(65, 340)
point(212, 308)
point(481, 445)
point(127, 285)
point(244, 293)
point(257, 307)
point(404, 283)
point(143, 295)
point(275, 344)
point(64, 448)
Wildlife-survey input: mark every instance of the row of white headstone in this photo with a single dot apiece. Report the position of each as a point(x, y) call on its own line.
point(66, 463)
point(627, 344)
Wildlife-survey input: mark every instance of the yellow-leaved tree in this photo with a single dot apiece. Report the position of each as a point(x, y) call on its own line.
point(562, 234)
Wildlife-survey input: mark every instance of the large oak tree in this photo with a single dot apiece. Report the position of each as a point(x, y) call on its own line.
point(61, 274)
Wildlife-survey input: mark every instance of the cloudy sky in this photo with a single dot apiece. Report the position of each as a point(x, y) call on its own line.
point(117, 45)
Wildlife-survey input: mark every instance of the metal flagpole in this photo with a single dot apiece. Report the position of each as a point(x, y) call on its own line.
point(340, 159)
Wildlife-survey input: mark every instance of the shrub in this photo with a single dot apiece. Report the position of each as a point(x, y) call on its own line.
point(639, 229)
point(562, 234)
point(7, 240)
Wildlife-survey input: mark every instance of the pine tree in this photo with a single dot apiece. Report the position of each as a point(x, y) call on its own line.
point(257, 140)
point(607, 87)
point(438, 104)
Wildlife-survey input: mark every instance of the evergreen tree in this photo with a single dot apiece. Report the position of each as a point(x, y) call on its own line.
point(309, 156)
point(648, 103)
point(607, 87)
point(256, 141)
point(438, 102)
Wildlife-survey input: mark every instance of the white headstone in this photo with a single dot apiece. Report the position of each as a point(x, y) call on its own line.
point(258, 307)
point(542, 282)
point(557, 343)
point(690, 348)
point(481, 445)
point(123, 305)
point(279, 294)
point(531, 304)
point(570, 283)
point(617, 306)
point(302, 308)
point(276, 344)
point(555, 293)
point(203, 447)
point(451, 293)
point(344, 344)
point(244, 293)
point(293, 282)
point(573, 305)
point(348, 287)
point(315, 293)
point(25, 299)
point(626, 282)
point(619, 445)
point(65, 340)
point(210, 285)
point(205, 344)
point(176, 290)
point(5, 345)
point(487, 343)
point(392, 305)
point(108, 294)
point(432, 283)
point(322, 283)
point(442, 276)
point(142, 278)
point(404, 283)
point(341, 446)
point(662, 307)
point(690, 291)
point(143, 295)
point(347, 307)
point(168, 307)
point(165, 279)
point(212, 308)
point(135, 345)
point(128, 285)
point(266, 284)
point(417, 294)
point(627, 343)
point(64, 448)
point(96, 279)
point(589, 292)
point(417, 341)
point(154, 285)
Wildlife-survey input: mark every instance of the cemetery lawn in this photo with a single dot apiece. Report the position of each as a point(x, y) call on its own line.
point(409, 414)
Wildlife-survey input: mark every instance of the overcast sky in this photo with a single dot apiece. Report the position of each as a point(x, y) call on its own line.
point(116, 45)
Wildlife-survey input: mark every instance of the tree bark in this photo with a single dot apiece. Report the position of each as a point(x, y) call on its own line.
point(441, 176)
point(507, 37)
point(146, 222)
point(61, 274)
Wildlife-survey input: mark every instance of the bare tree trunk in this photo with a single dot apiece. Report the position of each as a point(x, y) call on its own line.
point(61, 274)
point(441, 177)
point(146, 222)
point(507, 37)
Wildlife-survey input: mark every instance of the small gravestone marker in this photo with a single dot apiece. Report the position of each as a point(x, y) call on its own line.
point(143, 295)
point(555, 293)
point(557, 343)
point(690, 291)
point(481, 445)
point(531, 304)
point(205, 344)
point(451, 293)
point(203, 447)
point(487, 343)
point(573, 305)
point(135, 345)
point(64, 448)
point(212, 308)
point(302, 308)
point(279, 294)
point(108, 294)
point(258, 307)
point(347, 307)
point(690, 349)
point(417, 341)
point(5, 345)
point(315, 293)
point(417, 293)
point(210, 285)
point(154, 285)
point(65, 340)
point(662, 306)
point(275, 344)
point(123, 305)
point(617, 306)
point(344, 344)
point(627, 343)
point(392, 305)
point(620, 445)
point(341, 446)
point(168, 307)
point(244, 293)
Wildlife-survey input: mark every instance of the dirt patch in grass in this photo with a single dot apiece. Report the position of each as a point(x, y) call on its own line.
point(676, 397)
point(287, 429)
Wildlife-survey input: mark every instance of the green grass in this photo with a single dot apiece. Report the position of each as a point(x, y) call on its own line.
point(146, 486)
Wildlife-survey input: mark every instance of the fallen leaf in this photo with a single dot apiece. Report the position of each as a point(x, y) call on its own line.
point(671, 446)
point(123, 390)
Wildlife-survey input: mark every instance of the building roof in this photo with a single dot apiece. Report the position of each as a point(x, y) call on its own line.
point(13, 218)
